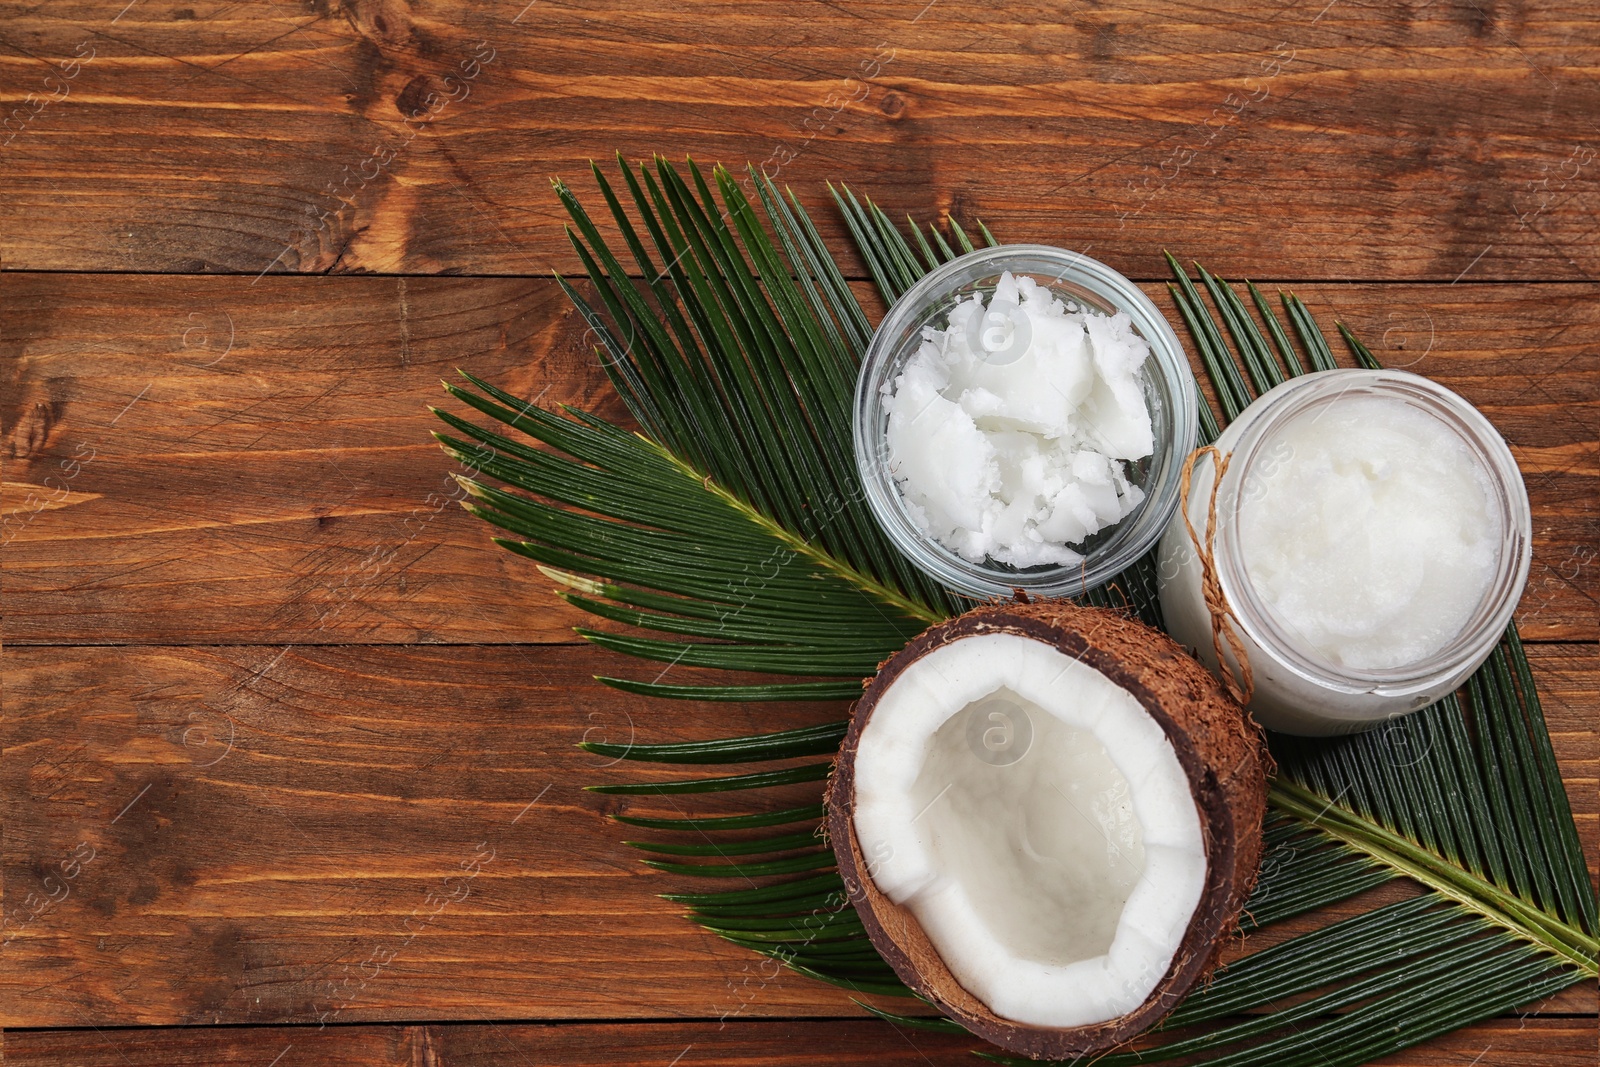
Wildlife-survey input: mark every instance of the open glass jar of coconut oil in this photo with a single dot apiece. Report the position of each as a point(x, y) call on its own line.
point(1370, 538)
point(1020, 420)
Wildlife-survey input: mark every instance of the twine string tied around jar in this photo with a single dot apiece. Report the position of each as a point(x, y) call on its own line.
point(1223, 627)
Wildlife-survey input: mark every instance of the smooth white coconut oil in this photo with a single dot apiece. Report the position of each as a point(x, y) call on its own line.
point(1371, 539)
point(1370, 534)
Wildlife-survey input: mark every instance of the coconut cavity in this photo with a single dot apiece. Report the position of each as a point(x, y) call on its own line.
point(1019, 804)
point(1035, 819)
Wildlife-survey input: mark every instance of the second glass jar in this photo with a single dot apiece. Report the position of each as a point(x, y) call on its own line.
point(1297, 689)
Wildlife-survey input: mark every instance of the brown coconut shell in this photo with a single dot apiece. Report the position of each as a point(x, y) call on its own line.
point(1220, 747)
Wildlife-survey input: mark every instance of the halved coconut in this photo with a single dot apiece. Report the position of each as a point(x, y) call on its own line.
point(1049, 818)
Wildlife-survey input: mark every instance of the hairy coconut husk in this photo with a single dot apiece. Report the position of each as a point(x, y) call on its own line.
point(1220, 748)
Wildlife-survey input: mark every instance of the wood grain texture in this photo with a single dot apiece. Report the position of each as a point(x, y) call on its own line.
point(270, 835)
point(299, 873)
point(221, 461)
point(286, 741)
point(835, 1043)
point(1354, 141)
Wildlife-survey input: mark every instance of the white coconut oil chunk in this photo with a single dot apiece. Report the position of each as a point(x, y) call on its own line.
point(1011, 430)
point(1042, 830)
point(1370, 532)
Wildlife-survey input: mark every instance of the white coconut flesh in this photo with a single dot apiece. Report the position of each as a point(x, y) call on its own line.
point(1035, 819)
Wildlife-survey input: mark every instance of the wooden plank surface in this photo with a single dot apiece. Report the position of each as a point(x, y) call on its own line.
point(286, 741)
point(228, 461)
point(833, 1043)
point(1385, 141)
point(279, 834)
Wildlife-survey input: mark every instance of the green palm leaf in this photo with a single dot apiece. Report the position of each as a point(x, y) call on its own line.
point(731, 534)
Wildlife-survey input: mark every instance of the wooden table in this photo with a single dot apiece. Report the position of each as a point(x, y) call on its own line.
point(267, 687)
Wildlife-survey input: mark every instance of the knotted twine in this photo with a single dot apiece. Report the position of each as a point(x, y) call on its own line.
point(1222, 618)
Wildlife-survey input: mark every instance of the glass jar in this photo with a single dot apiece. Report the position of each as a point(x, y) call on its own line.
point(1297, 689)
point(1169, 392)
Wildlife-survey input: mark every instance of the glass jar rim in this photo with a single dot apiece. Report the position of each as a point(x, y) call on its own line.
point(1483, 629)
point(1166, 354)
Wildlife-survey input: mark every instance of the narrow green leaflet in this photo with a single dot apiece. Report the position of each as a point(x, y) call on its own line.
point(731, 535)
